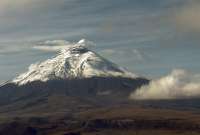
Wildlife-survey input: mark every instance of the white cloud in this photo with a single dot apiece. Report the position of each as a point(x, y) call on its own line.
point(136, 53)
point(52, 45)
point(178, 84)
point(57, 45)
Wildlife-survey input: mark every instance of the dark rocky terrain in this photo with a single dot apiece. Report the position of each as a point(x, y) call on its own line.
point(79, 92)
point(130, 120)
point(83, 107)
point(66, 95)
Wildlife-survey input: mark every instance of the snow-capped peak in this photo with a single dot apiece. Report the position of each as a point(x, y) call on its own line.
point(86, 43)
point(82, 41)
point(75, 61)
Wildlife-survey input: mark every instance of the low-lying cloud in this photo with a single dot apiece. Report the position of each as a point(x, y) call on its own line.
point(178, 84)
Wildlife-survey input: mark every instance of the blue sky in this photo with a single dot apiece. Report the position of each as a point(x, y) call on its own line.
point(149, 37)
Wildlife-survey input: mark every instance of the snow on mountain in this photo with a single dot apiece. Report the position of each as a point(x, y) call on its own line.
point(75, 61)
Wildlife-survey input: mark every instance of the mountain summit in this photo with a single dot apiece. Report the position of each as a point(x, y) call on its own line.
point(75, 61)
point(76, 78)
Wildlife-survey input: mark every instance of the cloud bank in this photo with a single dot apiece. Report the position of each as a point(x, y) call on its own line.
point(177, 85)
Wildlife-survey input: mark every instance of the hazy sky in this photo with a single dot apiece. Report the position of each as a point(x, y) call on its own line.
point(149, 37)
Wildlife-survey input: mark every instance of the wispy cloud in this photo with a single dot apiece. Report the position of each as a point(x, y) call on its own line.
point(57, 45)
point(52, 45)
point(122, 52)
point(178, 84)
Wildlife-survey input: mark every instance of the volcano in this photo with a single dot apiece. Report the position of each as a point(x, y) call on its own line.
point(76, 76)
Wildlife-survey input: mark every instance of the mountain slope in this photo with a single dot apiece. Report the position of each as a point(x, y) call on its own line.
point(76, 61)
point(76, 77)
